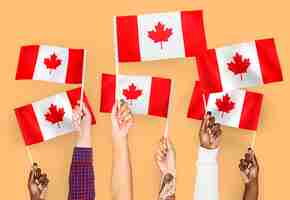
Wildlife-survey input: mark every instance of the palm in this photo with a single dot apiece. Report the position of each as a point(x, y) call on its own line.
point(208, 141)
point(209, 133)
point(167, 165)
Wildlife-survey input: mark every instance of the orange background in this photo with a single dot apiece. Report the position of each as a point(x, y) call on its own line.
point(88, 24)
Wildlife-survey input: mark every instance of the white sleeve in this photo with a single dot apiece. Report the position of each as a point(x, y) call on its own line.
point(206, 186)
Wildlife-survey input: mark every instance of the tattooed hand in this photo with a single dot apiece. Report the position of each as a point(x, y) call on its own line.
point(165, 158)
point(210, 132)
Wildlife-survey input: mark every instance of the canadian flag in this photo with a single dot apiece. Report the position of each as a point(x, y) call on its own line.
point(160, 36)
point(239, 66)
point(236, 108)
point(50, 63)
point(144, 94)
point(49, 117)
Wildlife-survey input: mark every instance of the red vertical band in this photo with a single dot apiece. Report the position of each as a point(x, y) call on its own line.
point(27, 61)
point(208, 70)
point(193, 33)
point(197, 108)
point(159, 97)
point(74, 96)
point(28, 124)
point(108, 92)
point(128, 38)
point(269, 61)
point(75, 66)
point(251, 111)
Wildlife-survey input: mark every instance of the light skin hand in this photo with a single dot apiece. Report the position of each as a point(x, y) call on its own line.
point(166, 161)
point(122, 121)
point(210, 132)
point(82, 122)
point(165, 157)
point(37, 183)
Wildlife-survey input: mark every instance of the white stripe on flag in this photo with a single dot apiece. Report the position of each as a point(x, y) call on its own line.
point(48, 129)
point(41, 71)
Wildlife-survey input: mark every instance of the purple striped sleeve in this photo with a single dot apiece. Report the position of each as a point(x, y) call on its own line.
point(81, 178)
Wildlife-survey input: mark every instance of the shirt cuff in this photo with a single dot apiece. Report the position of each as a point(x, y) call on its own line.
point(207, 155)
point(82, 154)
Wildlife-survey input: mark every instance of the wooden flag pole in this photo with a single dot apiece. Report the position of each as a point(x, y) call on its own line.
point(29, 155)
point(204, 103)
point(83, 79)
point(254, 140)
point(117, 66)
point(169, 111)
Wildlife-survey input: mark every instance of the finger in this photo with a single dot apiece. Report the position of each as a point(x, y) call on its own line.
point(218, 133)
point(245, 177)
point(43, 180)
point(127, 118)
point(159, 156)
point(163, 145)
point(129, 123)
point(248, 157)
point(124, 114)
point(216, 127)
point(169, 145)
point(161, 153)
point(211, 121)
point(114, 111)
point(123, 109)
point(253, 157)
point(43, 193)
point(37, 173)
point(204, 123)
point(243, 164)
point(30, 178)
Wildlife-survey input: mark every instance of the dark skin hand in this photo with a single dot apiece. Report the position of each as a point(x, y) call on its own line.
point(37, 183)
point(249, 168)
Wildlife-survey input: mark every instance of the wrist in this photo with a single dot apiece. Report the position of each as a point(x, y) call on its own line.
point(120, 142)
point(207, 155)
point(252, 183)
point(84, 140)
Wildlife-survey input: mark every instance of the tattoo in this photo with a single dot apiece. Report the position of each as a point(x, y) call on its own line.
point(168, 187)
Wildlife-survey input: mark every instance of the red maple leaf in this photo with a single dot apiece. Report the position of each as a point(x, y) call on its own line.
point(161, 34)
point(52, 62)
point(239, 65)
point(54, 114)
point(132, 93)
point(225, 105)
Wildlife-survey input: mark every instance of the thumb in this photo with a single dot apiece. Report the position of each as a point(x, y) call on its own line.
point(43, 193)
point(114, 114)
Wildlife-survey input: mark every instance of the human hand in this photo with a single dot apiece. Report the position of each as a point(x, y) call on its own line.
point(37, 183)
point(210, 132)
point(165, 157)
point(82, 122)
point(122, 121)
point(249, 167)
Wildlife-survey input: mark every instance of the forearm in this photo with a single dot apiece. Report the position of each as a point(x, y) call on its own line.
point(84, 139)
point(167, 187)
point(206, 186)
point(251, 190)
point(121, 171)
